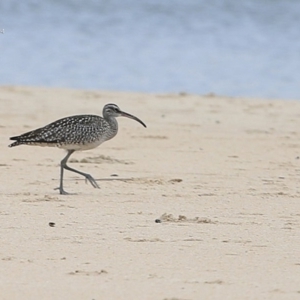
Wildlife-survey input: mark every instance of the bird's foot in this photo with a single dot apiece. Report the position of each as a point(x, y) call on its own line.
point(92, 181)
point(63, 192)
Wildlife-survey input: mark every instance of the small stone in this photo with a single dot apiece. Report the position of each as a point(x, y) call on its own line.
point(157, 221)
point(51, 224)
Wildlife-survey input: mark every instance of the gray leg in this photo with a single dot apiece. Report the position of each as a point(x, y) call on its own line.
point(63, 165)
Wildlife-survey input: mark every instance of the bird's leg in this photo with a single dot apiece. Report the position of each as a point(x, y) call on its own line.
point(62, 166)
point(87, 176)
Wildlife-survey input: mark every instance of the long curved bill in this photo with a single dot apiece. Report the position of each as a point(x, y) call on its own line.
point(124, 114)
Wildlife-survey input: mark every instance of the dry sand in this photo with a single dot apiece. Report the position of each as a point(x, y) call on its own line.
point(222, 174)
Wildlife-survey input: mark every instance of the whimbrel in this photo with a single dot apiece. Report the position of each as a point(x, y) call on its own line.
point(76, 133)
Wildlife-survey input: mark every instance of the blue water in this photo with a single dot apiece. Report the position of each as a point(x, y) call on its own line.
point(227, 47)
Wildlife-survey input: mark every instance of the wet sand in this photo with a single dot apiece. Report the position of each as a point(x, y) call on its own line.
point(202, 204)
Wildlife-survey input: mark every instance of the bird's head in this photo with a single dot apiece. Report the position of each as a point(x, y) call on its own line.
point(113, 110)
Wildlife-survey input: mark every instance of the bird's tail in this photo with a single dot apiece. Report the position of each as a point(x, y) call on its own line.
point(17, 141)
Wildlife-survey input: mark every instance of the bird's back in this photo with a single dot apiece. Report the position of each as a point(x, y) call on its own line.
point(80, 132)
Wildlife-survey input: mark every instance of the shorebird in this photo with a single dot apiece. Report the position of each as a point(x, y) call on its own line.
point(76, 133)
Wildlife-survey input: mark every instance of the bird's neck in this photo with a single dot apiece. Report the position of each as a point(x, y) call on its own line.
point(113, 124)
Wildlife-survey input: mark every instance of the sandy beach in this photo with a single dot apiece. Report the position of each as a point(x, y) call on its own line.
point(202, 204)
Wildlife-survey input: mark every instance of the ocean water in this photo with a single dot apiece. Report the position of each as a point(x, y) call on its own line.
point(245, 48)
